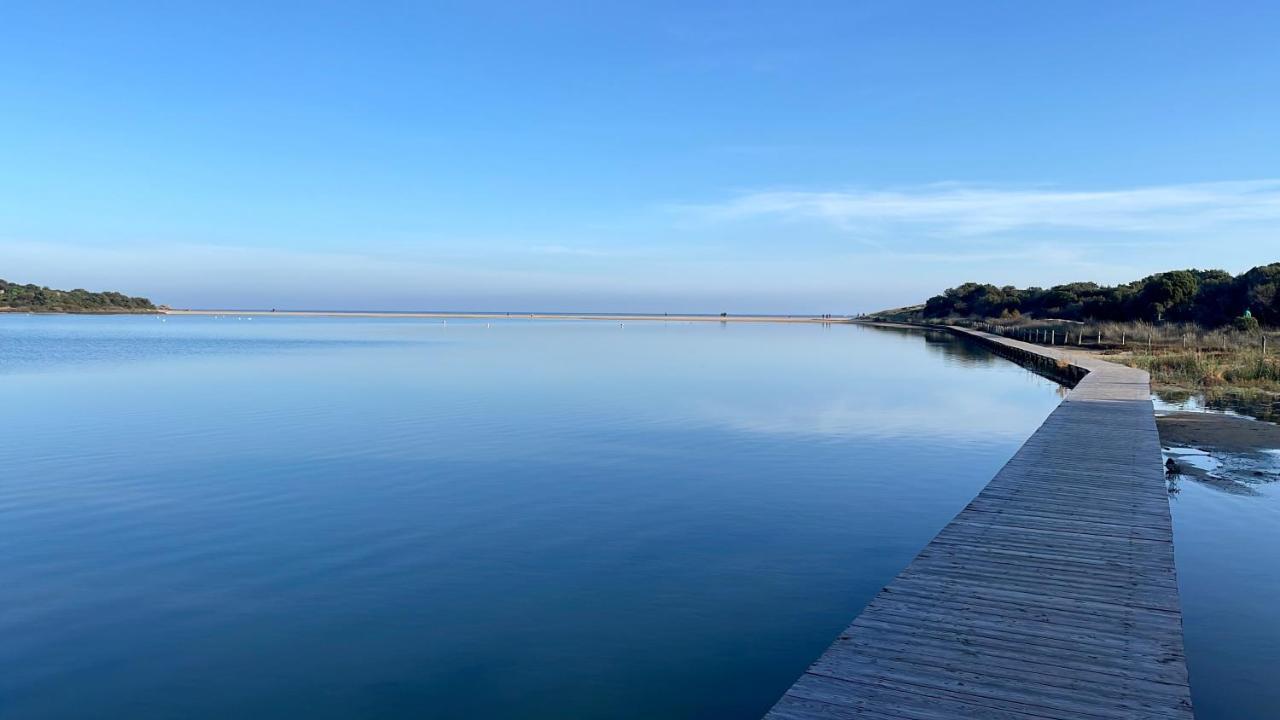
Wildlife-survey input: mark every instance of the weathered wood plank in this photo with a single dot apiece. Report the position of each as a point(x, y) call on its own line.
point(1051, 596)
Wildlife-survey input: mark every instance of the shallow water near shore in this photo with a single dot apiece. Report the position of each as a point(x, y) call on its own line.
point(333, 518)
point(1257, 405)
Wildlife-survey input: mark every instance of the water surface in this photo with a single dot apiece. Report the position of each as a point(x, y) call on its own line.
point(400, 518)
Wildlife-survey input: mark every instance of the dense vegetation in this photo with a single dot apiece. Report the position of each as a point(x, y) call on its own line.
point(34, 298)
point(1210, 298)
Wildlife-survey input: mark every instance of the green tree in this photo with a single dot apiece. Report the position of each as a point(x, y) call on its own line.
point(1168, 296)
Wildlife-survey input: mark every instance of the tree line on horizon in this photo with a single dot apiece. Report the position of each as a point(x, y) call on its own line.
point(1211, 298)
point(37, 298)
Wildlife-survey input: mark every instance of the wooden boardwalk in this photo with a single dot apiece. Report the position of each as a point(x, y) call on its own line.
point(1051, 596)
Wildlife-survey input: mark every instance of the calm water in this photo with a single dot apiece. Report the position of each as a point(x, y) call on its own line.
point(210, 518)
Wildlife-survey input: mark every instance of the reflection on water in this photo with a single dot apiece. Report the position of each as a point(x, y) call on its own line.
point(1258, 405)
point(949, 345)
point(958, 349)
point(967, 353)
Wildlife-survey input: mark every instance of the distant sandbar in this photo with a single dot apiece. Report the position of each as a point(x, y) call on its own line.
point(524, 316)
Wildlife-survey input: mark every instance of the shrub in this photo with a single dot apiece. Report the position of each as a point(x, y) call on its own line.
point(1246, 324)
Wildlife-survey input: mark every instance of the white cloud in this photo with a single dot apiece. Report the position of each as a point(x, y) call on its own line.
point(967, 210)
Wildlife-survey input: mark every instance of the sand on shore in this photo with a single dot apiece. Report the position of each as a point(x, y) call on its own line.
point(521, 316)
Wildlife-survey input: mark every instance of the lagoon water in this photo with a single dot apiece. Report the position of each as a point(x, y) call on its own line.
point(399, 518)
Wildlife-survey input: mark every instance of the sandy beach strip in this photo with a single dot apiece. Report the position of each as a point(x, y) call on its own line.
point(521, 316)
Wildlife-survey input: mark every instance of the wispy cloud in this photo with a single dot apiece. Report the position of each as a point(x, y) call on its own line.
point(977, 210)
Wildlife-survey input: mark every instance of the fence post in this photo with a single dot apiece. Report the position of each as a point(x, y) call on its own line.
point(1099, 342)
point(1053, 337)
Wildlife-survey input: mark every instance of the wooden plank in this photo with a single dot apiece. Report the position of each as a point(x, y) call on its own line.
point(1067, 693)
point(1003, 650)
point(1051, 596)
point(1100, 637)
point(1063, 611)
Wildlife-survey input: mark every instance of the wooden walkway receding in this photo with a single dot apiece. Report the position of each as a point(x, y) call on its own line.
point(1052, 595)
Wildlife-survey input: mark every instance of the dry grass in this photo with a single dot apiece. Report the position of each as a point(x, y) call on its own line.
point(1234, 368)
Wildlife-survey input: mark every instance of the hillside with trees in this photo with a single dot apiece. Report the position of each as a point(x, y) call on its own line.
point(1209, 298)
point(35, 298)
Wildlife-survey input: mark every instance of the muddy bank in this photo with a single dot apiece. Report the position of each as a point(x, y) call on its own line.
point(1216, 431)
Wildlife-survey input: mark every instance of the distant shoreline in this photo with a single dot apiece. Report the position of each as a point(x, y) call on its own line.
point(95, 311)
point(522, 316)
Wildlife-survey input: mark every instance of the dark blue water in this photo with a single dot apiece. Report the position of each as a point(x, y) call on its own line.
point(398, 518)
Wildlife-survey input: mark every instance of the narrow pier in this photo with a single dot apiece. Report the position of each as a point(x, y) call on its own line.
point(1052, 595)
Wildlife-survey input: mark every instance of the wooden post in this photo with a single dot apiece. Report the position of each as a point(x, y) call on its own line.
point(1122, 334)
point(1053, 337)
point(1099, 338)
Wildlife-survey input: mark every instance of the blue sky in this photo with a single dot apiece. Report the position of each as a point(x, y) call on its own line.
point(745, 157)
